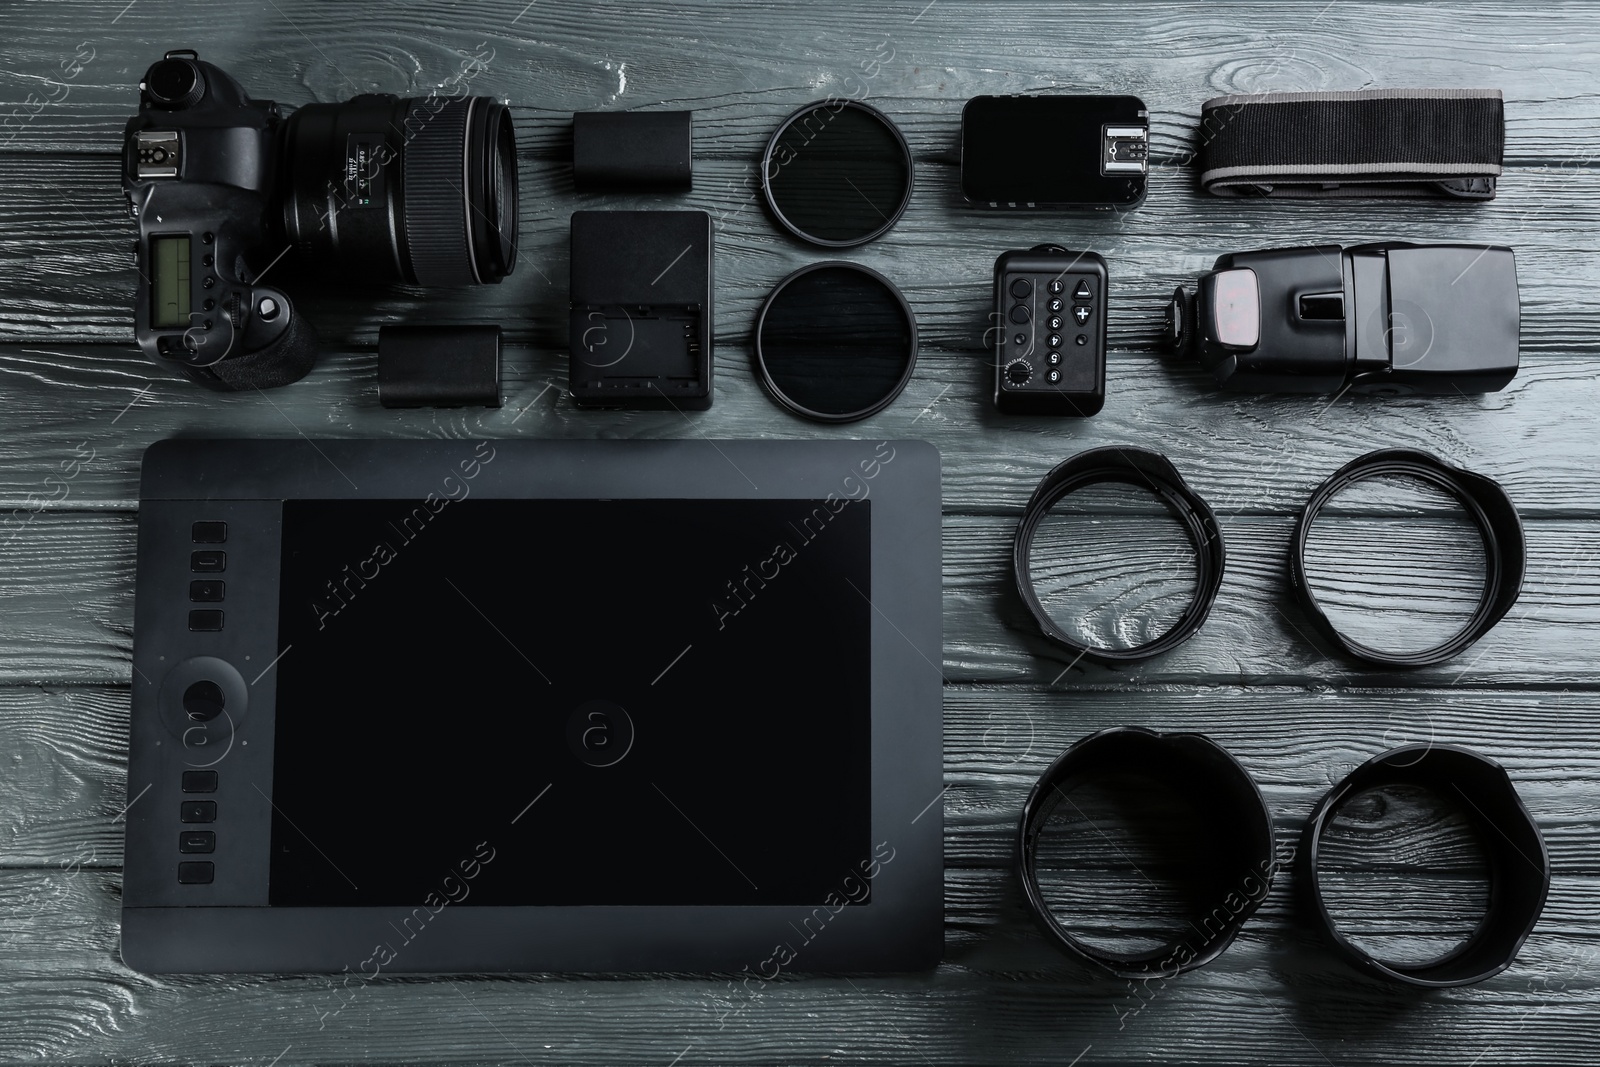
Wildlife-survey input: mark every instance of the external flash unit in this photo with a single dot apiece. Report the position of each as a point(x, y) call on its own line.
point(1390, 319)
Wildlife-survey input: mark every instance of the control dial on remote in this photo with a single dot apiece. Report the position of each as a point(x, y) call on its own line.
point(1018, 372)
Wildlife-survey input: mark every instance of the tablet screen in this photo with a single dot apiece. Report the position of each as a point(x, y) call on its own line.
point(570, 702)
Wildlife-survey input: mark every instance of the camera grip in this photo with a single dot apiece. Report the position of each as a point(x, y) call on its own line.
point(287, 359)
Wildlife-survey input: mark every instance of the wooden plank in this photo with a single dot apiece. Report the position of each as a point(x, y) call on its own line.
point(67, 591)
point(1549, 464)
point(1001, 994)
point(565, 56)
point(95, 409)
point(66, 583)
point(67, 236)
point(1256, 632)
point(67, 785)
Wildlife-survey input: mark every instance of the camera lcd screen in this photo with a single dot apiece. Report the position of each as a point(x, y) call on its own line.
point(169, 282)
point(572, 702)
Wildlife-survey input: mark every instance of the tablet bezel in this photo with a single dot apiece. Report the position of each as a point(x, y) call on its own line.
point(228, 927)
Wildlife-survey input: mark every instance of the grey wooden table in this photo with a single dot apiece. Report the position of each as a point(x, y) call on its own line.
point(79, 406)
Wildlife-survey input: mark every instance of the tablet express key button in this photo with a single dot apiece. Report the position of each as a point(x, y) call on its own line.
point(201, 811)
point(196, 872)
point(197, 841)
point(209, 561)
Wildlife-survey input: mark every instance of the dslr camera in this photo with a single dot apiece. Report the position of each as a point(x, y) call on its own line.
point(382, 189)
point(1390, 319)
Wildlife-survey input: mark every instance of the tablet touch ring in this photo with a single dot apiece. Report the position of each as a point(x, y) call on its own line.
point(203, 700)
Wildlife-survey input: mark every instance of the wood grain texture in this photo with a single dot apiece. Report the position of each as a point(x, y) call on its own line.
point(999, 983)
point(66, 589)
point(1001, 996)
point(67, 784)
point(80, 406)
point(941, 253)
point(733, 63)
point(1245, 454)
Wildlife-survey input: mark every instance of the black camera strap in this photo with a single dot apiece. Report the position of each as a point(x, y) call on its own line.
point(1504, 547)
point(1445, 143)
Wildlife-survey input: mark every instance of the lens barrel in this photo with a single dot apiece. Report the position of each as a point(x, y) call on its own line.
point(420, 190)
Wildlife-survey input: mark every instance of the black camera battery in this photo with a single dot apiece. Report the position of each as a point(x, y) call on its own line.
point(633, 150)
point(1048, 332)
point(439, 366)
point(641, 314)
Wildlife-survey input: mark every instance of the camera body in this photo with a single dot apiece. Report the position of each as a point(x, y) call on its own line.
point(378, 188)
point(1390, 319)
point(200, 162)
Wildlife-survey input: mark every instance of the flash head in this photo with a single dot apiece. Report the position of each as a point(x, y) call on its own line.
point(1390, 318)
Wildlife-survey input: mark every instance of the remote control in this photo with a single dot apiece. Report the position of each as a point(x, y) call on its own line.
point(1049, 332)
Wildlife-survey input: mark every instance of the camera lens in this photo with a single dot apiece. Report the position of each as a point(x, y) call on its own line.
point(421, 190)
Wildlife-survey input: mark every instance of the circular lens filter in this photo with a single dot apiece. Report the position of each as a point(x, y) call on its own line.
point(835, 342)
point(837, 173)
